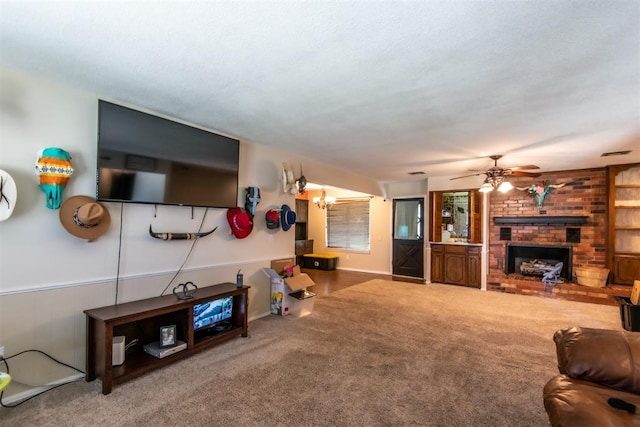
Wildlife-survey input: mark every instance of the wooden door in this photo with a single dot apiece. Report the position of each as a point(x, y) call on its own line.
point(408, 237)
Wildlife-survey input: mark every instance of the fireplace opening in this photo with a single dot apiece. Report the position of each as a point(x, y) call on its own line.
point(517, 254)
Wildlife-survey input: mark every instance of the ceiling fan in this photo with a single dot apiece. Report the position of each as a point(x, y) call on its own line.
point(497, 176)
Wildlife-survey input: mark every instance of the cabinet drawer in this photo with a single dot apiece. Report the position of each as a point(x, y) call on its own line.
point(455, 249)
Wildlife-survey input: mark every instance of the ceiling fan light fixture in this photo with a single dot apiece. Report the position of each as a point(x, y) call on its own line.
point(486, 187)
point(505, 186)
point(497, 176)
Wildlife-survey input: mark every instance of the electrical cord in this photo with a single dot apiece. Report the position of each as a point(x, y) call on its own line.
point(5, 359)
point(119, 254)
point(193, 245)
point(131, 344)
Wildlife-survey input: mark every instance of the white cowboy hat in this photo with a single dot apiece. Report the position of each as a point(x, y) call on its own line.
point(8, 195)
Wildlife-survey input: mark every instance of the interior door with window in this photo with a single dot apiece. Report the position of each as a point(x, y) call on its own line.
point(408, 237)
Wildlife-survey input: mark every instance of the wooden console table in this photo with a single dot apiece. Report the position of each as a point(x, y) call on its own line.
point(143, 319)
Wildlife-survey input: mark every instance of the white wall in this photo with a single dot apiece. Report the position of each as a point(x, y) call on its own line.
point(48, 277)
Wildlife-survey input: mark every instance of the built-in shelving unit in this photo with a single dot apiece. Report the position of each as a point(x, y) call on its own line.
point(303, 244)
point(458, 212)
point(624, 223)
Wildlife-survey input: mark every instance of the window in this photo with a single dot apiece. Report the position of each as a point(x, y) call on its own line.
point(348, 224)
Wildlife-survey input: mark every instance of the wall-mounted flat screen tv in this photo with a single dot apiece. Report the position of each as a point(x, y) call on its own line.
point(144, 158)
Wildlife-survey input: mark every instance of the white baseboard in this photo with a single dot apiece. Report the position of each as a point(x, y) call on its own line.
point(359, 270)
point(19, 397)
point(259, 316)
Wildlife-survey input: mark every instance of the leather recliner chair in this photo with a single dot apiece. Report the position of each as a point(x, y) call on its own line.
point(599, 381)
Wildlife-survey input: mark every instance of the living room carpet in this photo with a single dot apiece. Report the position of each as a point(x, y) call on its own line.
point(380, 353)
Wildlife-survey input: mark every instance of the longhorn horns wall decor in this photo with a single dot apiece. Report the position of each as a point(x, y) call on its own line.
point(179, 236)
point(541, 191)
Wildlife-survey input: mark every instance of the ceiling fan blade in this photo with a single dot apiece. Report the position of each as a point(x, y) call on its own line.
point(523, 173)
point(466, 176)
point(514, 168)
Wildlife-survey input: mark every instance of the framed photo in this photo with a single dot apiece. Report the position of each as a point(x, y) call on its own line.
point(168, 336)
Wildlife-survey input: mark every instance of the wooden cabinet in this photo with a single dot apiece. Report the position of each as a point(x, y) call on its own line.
point(456, 264)
point(303, 247)
point(142, 320)
point(623, 240)
point(473, 267)
point(302, 210)
point(437, 263)
point(302, 216)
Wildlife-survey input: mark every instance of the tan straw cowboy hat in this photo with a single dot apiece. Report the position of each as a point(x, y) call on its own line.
point(84, 217)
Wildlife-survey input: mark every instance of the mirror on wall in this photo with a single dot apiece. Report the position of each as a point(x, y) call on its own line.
point(455, 216)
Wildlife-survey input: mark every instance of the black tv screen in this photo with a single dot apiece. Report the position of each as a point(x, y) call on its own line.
point(209, 314)
point(144, 158)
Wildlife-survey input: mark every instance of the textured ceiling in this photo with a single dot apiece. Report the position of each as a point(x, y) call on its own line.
point(377, 88)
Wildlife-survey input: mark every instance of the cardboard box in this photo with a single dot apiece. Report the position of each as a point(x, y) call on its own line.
point(282, 303)
point(280, 264)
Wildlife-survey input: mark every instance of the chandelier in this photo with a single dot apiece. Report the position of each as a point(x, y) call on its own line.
point(324, 202)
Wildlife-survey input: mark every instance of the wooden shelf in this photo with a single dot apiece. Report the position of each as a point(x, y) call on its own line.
point(540, 220)
point(142, 320)
point(624, 228)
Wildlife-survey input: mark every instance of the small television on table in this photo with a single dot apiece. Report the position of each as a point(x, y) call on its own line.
point(213, 315)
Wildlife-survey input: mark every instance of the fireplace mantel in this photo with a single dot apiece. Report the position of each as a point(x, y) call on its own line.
point(540, 220)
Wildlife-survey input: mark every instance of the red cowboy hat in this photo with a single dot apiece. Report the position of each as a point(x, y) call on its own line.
point(273, 219)
point(240, 222)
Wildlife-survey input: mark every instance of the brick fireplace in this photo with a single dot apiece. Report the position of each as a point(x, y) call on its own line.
point(574, 218)
point(518, 254)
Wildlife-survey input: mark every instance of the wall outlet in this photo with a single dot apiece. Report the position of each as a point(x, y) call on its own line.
point(2, 352)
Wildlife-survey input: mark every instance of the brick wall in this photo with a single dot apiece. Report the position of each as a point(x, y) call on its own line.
point(585, 195)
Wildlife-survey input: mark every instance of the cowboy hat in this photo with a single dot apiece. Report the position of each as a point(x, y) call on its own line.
point(84, 217)
point(287, 217)
point(240, 222)
point(8, 195)
point(273, 219)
